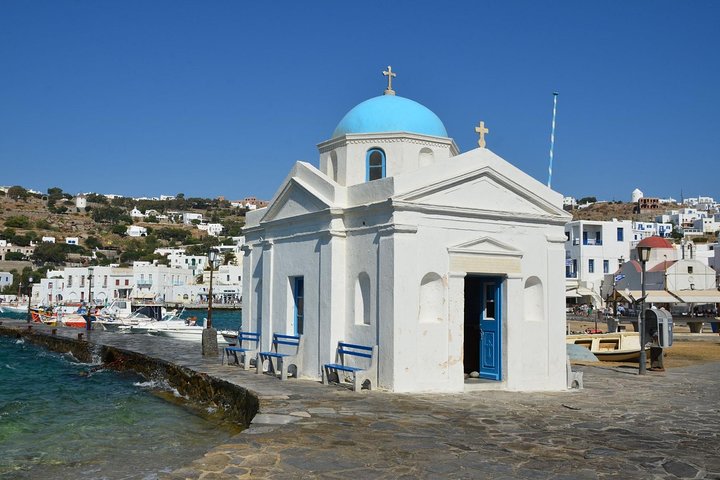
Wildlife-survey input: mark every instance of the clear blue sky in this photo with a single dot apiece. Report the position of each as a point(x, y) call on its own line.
point(221, 97)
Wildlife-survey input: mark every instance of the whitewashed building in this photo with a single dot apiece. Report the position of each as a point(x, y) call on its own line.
point(72, 240)
point(213, 229)
point(6, 278)
point(48, 239)
point(188, 217)
point(593, 249)
point(642, 230)
point(135, 213)
point(136, 231)
point(399, 240)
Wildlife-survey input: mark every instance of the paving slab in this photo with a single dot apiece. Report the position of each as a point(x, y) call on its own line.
point(657, 426)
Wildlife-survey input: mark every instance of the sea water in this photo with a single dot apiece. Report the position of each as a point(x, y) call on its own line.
point(221, 319)
point(61, 419)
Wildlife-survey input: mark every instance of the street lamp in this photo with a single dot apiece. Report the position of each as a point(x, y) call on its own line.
point(644, 256)
point(209, 334)
point(88, 318)
point(29, 294)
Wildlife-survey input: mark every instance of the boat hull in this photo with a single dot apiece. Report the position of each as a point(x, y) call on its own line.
point(610, 347)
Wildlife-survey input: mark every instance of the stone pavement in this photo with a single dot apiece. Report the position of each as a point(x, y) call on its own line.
point(621, 426)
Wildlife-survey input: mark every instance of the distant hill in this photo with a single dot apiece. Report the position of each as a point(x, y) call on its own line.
point(620, 210)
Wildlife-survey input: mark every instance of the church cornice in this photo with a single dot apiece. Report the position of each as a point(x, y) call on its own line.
point(388, 137)
point(510, 217)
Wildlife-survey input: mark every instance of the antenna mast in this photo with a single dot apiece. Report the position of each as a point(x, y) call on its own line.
point(552, 138)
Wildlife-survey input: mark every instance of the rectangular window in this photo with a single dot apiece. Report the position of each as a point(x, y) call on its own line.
point(117, 282)
point(82, 281)
point(127, 282)
point(591, 266)
point(620, 234)
point(606, 266)
point(298, 286)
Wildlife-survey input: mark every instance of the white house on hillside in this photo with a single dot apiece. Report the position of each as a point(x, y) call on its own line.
point(136, 231)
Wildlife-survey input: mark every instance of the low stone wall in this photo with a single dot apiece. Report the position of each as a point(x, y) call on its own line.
point(234, 402)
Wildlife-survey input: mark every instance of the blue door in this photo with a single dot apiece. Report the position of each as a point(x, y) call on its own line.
point(490, 329)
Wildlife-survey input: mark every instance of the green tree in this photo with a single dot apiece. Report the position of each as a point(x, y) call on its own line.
point(8, 234)
point(17, 193)
point(14, 256)
point(51, 253)
point(170, 234)
point(93, 242)
point(18, 221)
point(54, 194)
point(43, 224)
point(110, 215)
point(95, 198)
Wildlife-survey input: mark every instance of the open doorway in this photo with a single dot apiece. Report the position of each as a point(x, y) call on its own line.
point(483, 326)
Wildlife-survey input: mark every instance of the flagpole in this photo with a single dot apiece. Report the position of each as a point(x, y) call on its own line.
point(552, 139)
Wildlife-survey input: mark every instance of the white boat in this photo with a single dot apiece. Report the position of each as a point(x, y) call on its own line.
point(610, 347)
point(13, 308)
point(190, 333)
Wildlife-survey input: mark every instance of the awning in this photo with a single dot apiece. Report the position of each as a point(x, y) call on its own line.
point(699, 296)
point(586, 292)
point(572, 293)
point(653, 296)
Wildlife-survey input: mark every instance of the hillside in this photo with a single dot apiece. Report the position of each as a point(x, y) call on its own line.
point(619, 210)
point(101, 227)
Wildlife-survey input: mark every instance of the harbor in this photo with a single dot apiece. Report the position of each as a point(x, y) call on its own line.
point(662, 425)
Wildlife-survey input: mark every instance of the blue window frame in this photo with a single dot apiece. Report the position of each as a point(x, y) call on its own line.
point(591, 266)
point(606, 266)
point(620, 234)
point(375, 161)
point(298, 285)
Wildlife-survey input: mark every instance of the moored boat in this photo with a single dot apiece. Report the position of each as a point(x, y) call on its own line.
point(610, 347)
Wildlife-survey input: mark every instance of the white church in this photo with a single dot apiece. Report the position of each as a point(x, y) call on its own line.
point(449, 262)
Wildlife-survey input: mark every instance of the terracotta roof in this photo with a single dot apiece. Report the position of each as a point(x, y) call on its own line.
point(662, 266)
point(655, 242)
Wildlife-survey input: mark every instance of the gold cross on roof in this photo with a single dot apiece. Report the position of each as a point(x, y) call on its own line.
point(390, 74)
point(481, 130)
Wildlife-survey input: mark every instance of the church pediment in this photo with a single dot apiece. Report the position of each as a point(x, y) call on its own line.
point(483, 189)
point(294, 200)
point(486, 246)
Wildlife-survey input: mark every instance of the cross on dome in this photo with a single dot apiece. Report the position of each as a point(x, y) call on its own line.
point(390, 74)
point(481, 130)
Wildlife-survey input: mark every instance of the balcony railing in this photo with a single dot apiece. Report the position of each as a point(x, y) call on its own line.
point(570, 274)
point(592, 241)
point(143, 283)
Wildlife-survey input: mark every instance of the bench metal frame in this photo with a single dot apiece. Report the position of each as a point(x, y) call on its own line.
point(359, 375)
point(246, 354)
point(279, 360)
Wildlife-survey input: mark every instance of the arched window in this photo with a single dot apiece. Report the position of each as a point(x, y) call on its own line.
point(375, 164)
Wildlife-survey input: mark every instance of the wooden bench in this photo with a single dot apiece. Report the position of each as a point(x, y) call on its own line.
point(252, 339)
point(346, 356)
point(287, 350)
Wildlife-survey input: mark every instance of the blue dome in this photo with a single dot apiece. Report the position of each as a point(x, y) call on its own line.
point(390, 113)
